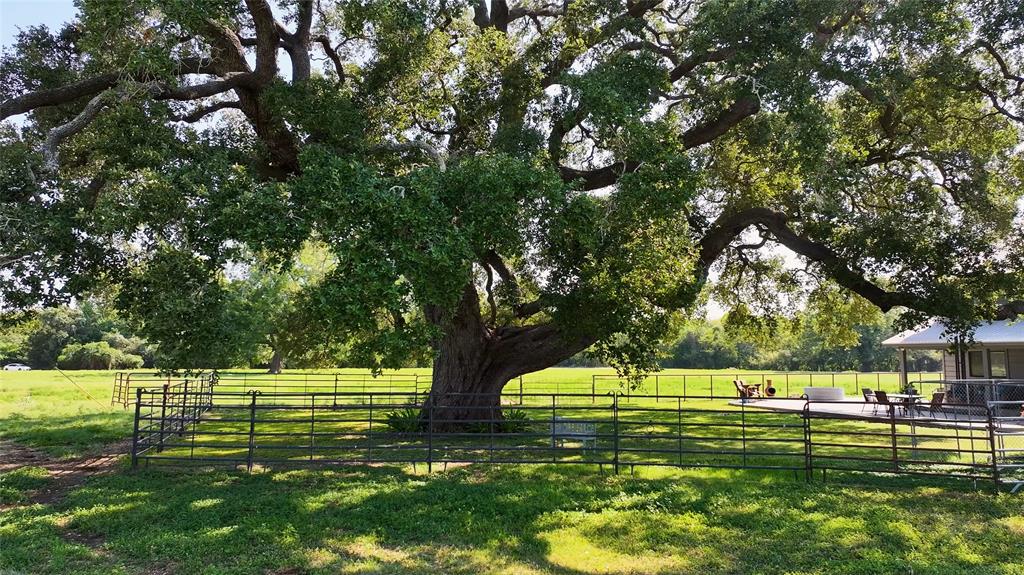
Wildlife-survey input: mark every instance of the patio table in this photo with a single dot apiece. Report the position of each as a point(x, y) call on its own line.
point(909, 400)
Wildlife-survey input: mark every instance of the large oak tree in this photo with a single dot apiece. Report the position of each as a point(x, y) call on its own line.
point(512, 183)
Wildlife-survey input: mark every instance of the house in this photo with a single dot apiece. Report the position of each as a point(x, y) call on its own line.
point(975, 370)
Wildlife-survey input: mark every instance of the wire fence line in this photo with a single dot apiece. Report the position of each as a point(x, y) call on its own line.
point(203, 425)
point(686, 385)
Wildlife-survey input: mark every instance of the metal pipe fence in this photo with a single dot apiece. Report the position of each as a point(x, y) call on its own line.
point(667, 385)
point(785, 383)
point(127, 383)
point(250, 429)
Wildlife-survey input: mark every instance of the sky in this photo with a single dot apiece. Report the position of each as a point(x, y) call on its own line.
point(16, 14)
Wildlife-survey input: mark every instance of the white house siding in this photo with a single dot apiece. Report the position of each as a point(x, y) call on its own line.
point(948, 365)
point(1015, 363)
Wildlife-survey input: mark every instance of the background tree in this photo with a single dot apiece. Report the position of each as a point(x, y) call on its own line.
point(510, 184)
point(82, 336)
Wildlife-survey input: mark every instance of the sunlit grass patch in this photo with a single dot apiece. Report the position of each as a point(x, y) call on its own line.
point(15, 485)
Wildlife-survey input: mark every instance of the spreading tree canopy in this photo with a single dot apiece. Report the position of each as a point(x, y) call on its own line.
point(512, 183)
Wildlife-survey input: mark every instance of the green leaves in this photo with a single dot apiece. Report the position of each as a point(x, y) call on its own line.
point(883, 133)
point(179, 301)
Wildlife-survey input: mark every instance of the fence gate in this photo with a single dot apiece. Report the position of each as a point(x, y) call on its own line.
point(120, 395)
point(1008, 443)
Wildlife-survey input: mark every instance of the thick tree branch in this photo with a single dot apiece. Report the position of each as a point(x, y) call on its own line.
point(568, 54)
point(96, 84)
point(481, 17)
point(492, 260)
point(550, 9)
point(62, 95)
point(202, 111)
point(599, 177)
point(823, 33)
point(437, 155)
point(686, 66)
point(267, 38)
point(331, 53)
point(729, 226)
point(705, 132)
point(700, 134)
point(297, 43)
point(75, 125)
point(161, 91)
point(1010, 310)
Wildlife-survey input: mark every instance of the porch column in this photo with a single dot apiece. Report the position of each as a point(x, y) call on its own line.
point(903, 368)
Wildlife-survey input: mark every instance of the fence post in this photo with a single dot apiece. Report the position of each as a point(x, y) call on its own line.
point(684, 387)
point(895, 447)
point(808, 453)
point(163, 418)
point(593, 389)
point(787, 384)
point(369, 433)
point(743, 431)
point(679, 429)
point(252, 431)
point(312, 424)
point(657, 388)
point(615, 428)
point(992, 446)
point(553, 440)
point(184, 398)
point(135, 430)
point(430, 435)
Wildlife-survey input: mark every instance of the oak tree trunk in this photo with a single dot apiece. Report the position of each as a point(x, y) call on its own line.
point(276, 362)
point(473, 363)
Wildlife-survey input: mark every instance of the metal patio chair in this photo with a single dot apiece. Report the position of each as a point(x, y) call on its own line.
point(882, 399)
point(869, 398)
point(935, 405)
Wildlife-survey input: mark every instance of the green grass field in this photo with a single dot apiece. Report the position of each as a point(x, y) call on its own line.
point(475, 519)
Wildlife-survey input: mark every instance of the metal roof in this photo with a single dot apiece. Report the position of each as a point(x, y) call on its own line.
point(1003, 332)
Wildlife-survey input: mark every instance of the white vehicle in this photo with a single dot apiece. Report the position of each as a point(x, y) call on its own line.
point(17, 367)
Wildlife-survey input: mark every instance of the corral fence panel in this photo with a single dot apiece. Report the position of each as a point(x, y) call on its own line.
point(202, 424)
point(659, 385)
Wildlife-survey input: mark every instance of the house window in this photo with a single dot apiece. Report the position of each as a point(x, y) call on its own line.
point(976, 363)
point(997, 363)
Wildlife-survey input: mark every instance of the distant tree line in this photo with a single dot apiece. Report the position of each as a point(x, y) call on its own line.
point(712, 345)
point(254, 324)
point(89, 335)
point(708, 346)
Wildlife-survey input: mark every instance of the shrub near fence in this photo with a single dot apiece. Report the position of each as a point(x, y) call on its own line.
point(611, 431)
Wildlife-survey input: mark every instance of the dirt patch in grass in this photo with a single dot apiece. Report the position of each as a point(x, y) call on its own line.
point(92, 541)
point(63, 474)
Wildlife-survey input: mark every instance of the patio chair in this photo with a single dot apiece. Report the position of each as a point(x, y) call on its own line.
point(882, 399)
point(746, 391)
point(869, 398)
point(935, 405)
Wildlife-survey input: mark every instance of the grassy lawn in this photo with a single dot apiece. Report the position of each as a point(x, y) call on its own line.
point(43, 409)
point(473, 519)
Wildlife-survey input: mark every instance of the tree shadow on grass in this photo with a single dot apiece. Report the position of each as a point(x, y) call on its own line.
point(519, 518)
point(67, 436)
